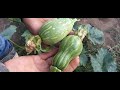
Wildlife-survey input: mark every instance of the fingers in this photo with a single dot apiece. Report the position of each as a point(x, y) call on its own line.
point(45, 56)
point(47, 19)
point(71, 33)
point(34, 24)
point(49, 61)
point(73, 65)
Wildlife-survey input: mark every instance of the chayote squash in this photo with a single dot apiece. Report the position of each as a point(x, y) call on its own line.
point(70, 47)
point(55, 30)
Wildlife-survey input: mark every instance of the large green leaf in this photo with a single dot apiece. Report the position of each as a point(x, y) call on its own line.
point(8, 32)
point(95, 35)
point(109, 63)
point(97, 67)
point(83, 58)
point(103, 61)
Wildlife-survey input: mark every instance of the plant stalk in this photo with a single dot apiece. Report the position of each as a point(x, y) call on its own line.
point(16, 44)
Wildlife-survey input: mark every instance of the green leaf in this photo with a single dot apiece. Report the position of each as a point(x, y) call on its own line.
point(27, 35)
point(97, 67)
point(83, 60)
point(103, 61)
point(109, 64)
point(95, 35)
point(8, 32)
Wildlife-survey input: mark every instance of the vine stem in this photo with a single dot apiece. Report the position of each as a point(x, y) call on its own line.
point(16, 44)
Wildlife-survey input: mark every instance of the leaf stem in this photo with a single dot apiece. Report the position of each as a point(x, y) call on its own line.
point(16, 44)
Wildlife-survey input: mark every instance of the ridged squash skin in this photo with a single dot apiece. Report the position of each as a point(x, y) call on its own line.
point(55, 30)
point(70, 47)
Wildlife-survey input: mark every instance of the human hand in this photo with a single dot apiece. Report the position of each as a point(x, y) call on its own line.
point(34, 24)
point(37, 63)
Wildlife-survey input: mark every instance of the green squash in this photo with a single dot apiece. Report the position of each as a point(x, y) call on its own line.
point(55, 30)
point(70, 47)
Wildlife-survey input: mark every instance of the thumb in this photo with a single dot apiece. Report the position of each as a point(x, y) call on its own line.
point(73, 65)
